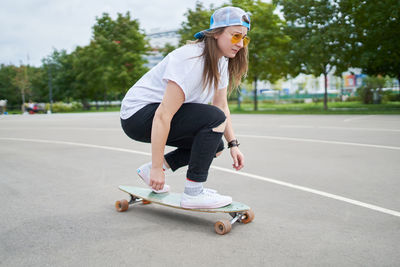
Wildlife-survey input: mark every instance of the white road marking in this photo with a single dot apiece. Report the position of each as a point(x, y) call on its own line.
point(62, 128)
point(317, 141)
point(238, 135)
point(313, 191)
point(340, 128)
point(358, 118)
point(77, 144)
point(249, 175)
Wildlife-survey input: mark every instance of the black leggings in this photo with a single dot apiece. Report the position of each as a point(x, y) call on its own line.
point(191, 132)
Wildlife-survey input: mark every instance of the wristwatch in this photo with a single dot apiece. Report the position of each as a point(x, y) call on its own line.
point(233, 143)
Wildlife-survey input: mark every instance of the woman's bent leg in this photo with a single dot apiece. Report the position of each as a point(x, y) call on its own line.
point(180, 157)
point(196, 129)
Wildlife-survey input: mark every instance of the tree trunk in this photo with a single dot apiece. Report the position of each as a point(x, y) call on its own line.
point(105, 99)
point(326, 92)
point(255, 94)
point(50, 89)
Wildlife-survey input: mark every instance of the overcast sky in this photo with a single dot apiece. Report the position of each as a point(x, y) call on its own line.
point(30, 29)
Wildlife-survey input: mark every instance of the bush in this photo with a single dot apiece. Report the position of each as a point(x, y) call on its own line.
point(371, 92)
point(366, 94)
point(65, 107)
point(391, 96)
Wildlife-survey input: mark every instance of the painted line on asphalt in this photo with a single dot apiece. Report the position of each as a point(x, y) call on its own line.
point(249, 175)
point(317, 141)
point(358, 118)
point(238, 135)
point(313, 191)
point(77, 144)
point(340, 128)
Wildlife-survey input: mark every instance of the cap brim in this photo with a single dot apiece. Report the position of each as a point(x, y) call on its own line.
point(199, 35)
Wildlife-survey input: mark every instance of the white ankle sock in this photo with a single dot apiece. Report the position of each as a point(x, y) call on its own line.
point(193, 188)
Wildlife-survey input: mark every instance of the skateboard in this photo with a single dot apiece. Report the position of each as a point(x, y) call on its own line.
point(238, 211)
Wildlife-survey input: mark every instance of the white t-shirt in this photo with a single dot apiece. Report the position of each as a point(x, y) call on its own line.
point(183, 66)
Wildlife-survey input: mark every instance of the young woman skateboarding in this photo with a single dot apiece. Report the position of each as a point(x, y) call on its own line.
point(169, 105)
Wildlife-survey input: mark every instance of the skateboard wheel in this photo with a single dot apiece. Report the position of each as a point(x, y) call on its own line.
point(223, 227)
point(122, 205)
point(145, 202)
point(249, 216)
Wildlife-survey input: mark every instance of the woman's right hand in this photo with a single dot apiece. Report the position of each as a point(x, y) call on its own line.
point(157, 178)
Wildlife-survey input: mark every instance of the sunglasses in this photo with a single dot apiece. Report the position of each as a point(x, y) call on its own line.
point(238, 36)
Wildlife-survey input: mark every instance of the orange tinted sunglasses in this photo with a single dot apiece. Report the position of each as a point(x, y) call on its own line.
point(238, 36)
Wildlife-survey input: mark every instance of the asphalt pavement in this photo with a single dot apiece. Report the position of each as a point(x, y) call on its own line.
point(324, 188)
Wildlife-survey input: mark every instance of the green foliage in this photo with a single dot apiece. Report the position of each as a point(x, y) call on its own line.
point(371, 92)
point(105, 68)
point(268, 48)
point(391, 96)
point(102, 70)
point(197, 20)
point(65, 107)
point(8, 89)
point(316, 36)
point(56, 69)
point(372, 35)
point(119, 47)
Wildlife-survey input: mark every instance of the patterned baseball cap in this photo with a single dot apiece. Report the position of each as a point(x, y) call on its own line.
point(227, 16)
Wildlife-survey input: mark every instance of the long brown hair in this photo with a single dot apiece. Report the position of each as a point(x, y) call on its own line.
point(237, 66)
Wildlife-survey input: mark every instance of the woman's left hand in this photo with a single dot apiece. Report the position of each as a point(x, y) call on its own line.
point(238, 158)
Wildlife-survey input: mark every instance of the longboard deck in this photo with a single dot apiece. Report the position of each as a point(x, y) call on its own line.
point(172, 200)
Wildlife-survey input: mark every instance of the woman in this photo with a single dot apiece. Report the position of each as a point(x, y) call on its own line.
point(169, 106)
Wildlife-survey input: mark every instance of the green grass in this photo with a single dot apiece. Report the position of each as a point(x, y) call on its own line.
point(317, 108)
point(277, 108)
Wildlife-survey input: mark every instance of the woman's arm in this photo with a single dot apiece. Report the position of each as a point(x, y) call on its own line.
point(221, 100)
point(172, 101)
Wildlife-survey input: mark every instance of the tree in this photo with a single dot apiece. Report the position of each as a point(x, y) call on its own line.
point(196, 20)
point(315, 37)
point(120, 47)
point(110, 64)
point(373, 40)
point(268, 48)
point(8, 89)
point(58, 67)
point(86, 72)
point(21, 81)
point(38, 83)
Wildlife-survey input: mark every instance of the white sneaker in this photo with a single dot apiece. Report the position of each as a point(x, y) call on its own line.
point(207, 199)
point(144, 173)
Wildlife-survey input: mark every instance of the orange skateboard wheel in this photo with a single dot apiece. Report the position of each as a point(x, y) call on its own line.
point(222, 227)
point(249, 216)
point(122, 205)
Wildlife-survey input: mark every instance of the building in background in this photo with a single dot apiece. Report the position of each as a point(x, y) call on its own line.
point(158, 39)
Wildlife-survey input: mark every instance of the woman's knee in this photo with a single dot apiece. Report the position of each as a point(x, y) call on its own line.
point(220, 128)
point(220, 148)
point(219, 120)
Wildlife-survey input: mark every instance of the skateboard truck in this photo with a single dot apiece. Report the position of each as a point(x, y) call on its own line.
point(123, 205)
point(237, 216)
